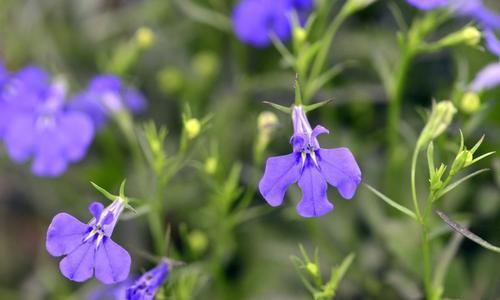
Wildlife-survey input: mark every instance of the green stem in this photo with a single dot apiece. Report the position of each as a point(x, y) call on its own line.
point(394, 110)
point(426, 255)
point(413, 183)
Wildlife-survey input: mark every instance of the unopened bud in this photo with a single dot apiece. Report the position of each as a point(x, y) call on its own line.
point(211, 165)
point(198, 241)
point(470, 103)
point(192, 127)
point(144, 37)
point(440, 118)
point(313, 269)
point(205, 64)
point(170, 80)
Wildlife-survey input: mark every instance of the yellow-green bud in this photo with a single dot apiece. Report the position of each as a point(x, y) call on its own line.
point(211, 165)
point(440, 118)
point(192, 127)
point(267, 122)
point(205, 64)
point(469, 35)
point(299, 34)
point(313, 269)
point(472, 36)
point(459, 162)
point(145, 37)
point(170, 80)
point(198, 241)
point(470, 103)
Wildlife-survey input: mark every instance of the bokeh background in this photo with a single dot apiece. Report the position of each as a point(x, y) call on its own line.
point(201, 63)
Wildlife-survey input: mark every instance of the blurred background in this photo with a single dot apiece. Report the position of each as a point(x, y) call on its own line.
point(198, 61)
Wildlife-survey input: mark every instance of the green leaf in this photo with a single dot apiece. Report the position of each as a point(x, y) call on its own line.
point(465, 232)
point(286, 110)
point(104, 192)
point(392, 203)
point(337, 274)
point(457, 183)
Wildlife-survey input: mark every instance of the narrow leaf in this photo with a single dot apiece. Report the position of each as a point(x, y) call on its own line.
point(457, 183)
point(392, 203)
point(465, 232)
point(104, 192)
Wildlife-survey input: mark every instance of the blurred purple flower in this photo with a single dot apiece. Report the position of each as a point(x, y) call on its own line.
point(105, 96)
point(476, 10)
point(487, 78)
point(116, 291)
point(4, 74)
point(88, 247)
point(492, 42)
point(35, 123)
point(312, 166)
point(427, 4)
point(146, 286)
point(255, 20)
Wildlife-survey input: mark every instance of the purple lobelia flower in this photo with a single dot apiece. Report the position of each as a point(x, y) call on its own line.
point(476, 10)
point(88, 248)
point(37, 124)
point(492, 42)
point(487, 78)
point(105, 96)
point(255, 20)
point(146, 286)
point(312, 167)
point(427, 4)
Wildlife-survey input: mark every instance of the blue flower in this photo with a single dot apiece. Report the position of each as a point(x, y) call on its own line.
point(487, 78)
point(312, 167)
point(146, 286)
point(492, 42)
point(105, 96)
point(427, 4)
point(36, 123)
point(476, 10)
point(88, 247)
point(255, 20)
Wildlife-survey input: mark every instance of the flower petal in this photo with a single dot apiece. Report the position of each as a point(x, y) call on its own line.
point(65, 234)
point(112, 262)
point(96, 209)
point(340, 169)
point(76, 133)
point(487, 78)
point(79, 264)
point(20, 137)
point(314, 202)
point(281, 172)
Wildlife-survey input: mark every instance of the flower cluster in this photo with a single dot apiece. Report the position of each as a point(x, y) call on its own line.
point(256, 20)
point(38, 122)
point(312, 167)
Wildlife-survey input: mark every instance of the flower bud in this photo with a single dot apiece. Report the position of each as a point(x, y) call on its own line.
point(267, 122)
point(170, 80)
point(192, 127)
point(197, 241)
point(299, 35)
point(459, 161)
point(313, 269)
point(211, 165)
point(470, 103)
point(469, 35)
point(205, 64)
point(144, 37)
point(440, 118)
